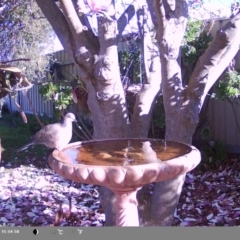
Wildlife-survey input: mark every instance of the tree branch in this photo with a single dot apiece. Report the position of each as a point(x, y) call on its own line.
point(106, 67)
point(142, 114)
point(80, 25)
point(214, 61)
point(86, 47)
point(171, 22)
point(126, 16)
point(170, 25)
point(145, 35)
point(79, 47)
point(141, 118)
point(34, 111)
point(71, 17)
point(15, 60)
point(58, 23)
point(152, 10)
point(89, 32)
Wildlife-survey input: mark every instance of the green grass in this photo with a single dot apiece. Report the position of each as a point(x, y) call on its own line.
point(11, 138)
point(14, 134)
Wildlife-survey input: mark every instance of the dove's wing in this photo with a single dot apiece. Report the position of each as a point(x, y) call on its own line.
point(49, 135)
point(56, 135)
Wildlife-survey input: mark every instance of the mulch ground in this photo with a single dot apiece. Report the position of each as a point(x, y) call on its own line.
point(34, 195)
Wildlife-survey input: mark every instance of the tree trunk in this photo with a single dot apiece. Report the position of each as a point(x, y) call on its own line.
point(183, 105)
point(166, 194)
point(97, 60)
point(164, 201)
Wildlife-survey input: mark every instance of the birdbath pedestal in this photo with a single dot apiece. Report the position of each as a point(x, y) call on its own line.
point(124, 166)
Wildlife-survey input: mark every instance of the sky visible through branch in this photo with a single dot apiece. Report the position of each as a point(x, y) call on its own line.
point(210, 9)
point(213, 8)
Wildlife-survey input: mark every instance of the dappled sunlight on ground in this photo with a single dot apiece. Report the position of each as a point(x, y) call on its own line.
point(211, 198)
point(33, 196)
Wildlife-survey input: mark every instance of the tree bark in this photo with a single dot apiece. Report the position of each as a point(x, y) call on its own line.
point(169, 19)
point(97, 60)
point(141, 118)
point(184, 103)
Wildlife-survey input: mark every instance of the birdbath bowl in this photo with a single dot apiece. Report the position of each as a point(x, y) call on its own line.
point(124, 166)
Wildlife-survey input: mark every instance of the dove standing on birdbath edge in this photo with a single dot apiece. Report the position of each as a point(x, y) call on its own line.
point(56, 135)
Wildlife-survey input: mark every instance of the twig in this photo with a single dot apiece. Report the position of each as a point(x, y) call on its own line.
point(34, 112)
point(76, 133)
point(59, 216)
point(142, 21)
point(15, 60)
point(153, 129)
point(16, 90)
point(84, 129)
point(86, 134)
point(24, 88)
point(0, 149)
point(23, 115)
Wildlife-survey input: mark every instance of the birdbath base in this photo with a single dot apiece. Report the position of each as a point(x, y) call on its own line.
point(126, 207)
point(124, 166)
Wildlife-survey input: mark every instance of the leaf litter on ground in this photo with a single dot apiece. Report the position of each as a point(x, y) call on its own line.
point(33, 196)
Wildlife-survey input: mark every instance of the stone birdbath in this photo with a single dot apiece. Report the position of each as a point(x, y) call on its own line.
point(124, 166)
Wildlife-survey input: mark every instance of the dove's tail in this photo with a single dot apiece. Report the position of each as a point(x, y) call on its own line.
point(24, 147)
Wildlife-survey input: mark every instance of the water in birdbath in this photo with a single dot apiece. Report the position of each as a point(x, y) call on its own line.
point(123, 152)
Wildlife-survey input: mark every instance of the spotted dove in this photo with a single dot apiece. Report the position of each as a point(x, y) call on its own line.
point(56, 135)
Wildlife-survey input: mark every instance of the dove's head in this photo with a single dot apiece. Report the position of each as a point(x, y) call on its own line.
point(70, 117)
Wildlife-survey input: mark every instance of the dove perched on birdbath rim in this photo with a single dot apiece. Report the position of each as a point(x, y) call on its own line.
point(56, 135)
